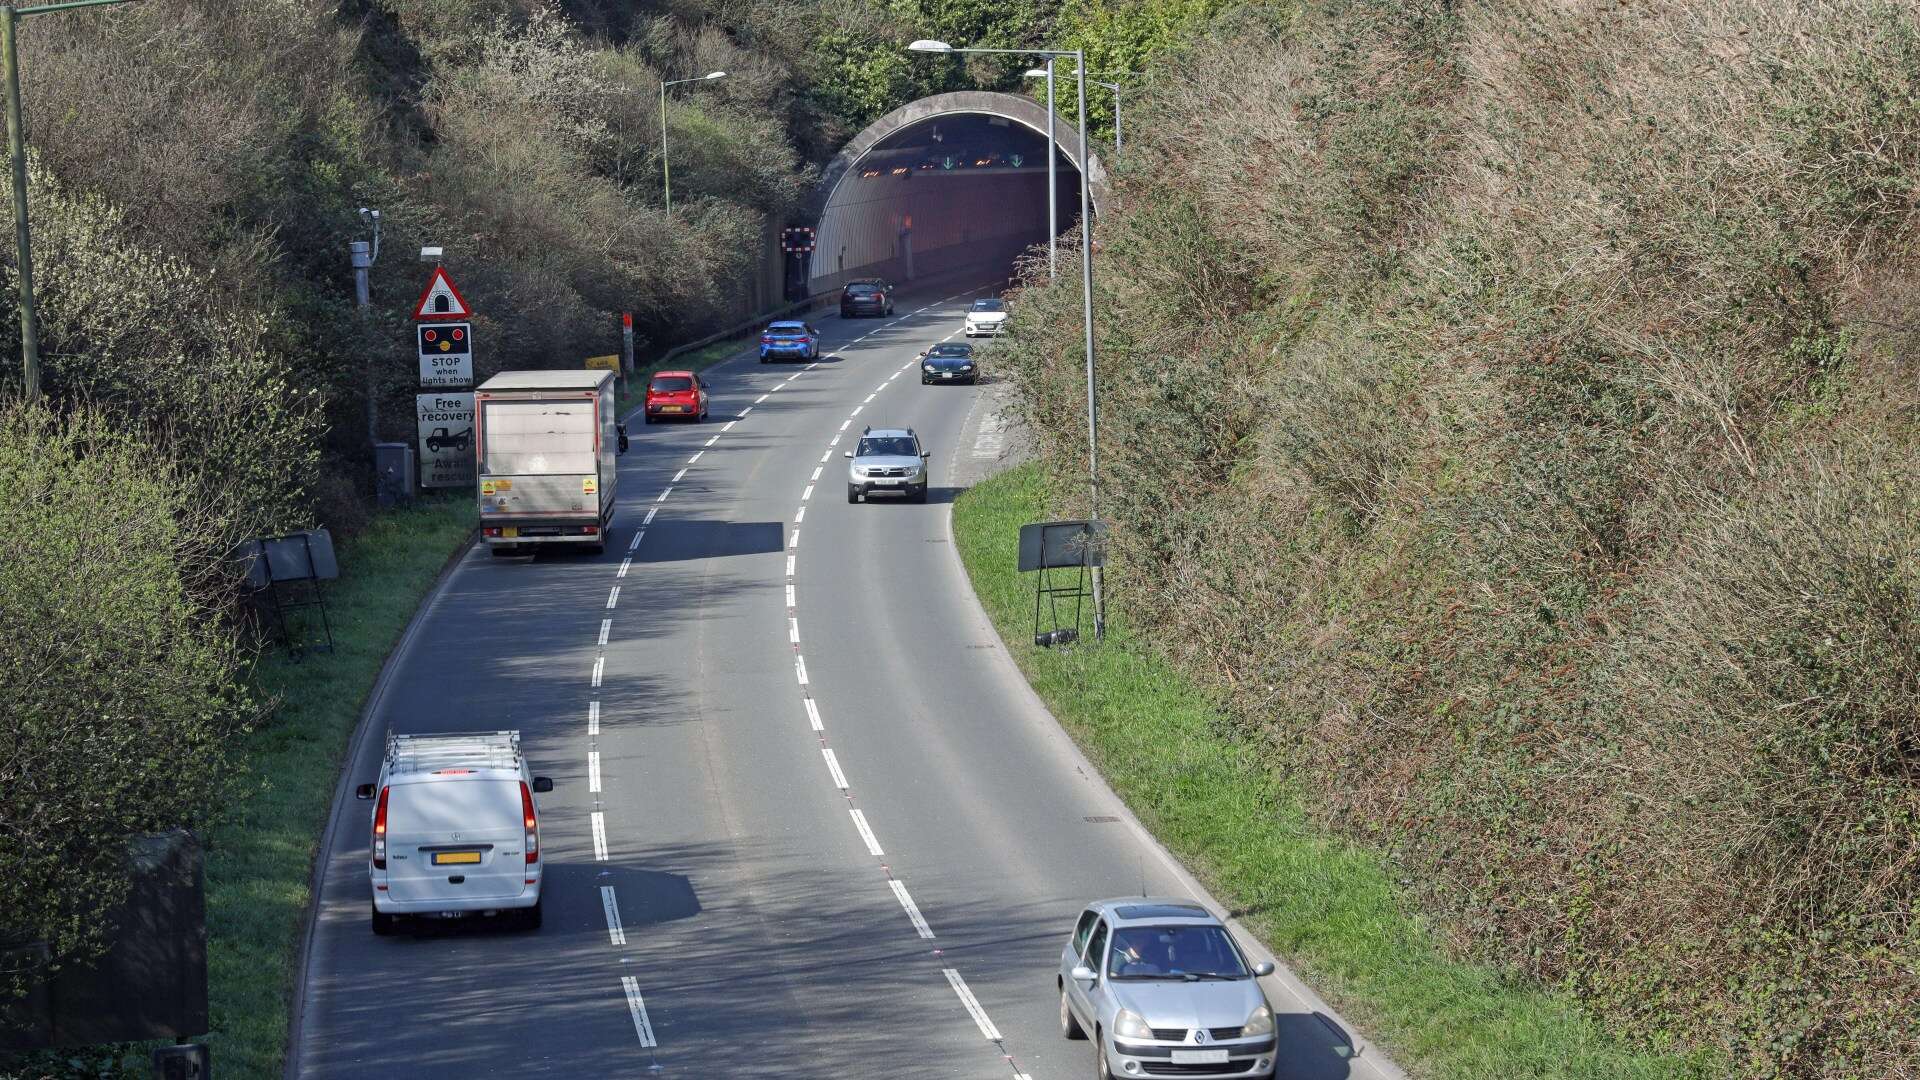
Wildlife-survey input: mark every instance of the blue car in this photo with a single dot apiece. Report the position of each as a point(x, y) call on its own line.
point(789, 341)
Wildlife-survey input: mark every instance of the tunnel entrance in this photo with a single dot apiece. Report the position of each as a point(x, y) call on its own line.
point(946, 183)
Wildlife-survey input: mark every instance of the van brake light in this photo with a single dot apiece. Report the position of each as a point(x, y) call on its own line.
point(380, 832)
point(532, 824)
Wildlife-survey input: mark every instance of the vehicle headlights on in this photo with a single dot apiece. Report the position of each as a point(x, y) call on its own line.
point(928, 368)
point(1259, 1022)
point(1128, 1025)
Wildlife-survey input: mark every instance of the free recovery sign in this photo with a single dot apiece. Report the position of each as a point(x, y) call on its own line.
point(446, 439)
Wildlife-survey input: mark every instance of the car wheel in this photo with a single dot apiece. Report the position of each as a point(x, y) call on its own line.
point(382, 923)
point(596, 549)
point(920, 496)
point(924, 380)
point(853, 494)
point(1069, 1024)
point(646, 418)
point(699, 416)
point(530, 917)
point(1100, 1069)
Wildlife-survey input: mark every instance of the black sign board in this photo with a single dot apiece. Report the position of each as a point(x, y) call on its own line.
point(1056, 545)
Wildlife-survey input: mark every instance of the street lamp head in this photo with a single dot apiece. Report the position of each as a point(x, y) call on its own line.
point(432, 254)
point(926, 45)
point(1036, 73)
point(716, 74)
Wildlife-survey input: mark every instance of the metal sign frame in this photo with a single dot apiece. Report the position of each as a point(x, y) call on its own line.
point(1049, 547)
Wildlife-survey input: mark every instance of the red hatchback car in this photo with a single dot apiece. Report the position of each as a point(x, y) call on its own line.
point(676, 394)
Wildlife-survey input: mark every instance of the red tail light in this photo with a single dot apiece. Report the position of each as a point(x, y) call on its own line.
point(380, 832)
point(532, 823)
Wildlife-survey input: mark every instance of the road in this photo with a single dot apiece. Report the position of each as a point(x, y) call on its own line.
point(808, 822)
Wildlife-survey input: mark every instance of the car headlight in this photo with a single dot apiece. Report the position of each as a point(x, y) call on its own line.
point(859, 470)
point(1128, 1025)
point(966, 367)
point(1259, 1022)
point(928, 368)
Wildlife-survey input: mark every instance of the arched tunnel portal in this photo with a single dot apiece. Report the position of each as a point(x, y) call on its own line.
point(948, 182)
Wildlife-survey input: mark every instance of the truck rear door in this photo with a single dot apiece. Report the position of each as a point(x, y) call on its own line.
point(542, 457)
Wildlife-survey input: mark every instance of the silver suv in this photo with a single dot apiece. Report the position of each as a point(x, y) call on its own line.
point(887, 461)
point(1164, 990)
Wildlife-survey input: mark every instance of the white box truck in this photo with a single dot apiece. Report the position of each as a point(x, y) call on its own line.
point(545, 445)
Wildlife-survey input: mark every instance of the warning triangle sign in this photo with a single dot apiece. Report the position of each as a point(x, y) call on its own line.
point(441, 301)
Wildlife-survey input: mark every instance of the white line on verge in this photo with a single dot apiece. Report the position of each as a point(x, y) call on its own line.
point(973, 1005)
point(599, 836)
point(638, 1007)
point(866, 833)
point(833, 766)
point(616, 934)
point(913, 911)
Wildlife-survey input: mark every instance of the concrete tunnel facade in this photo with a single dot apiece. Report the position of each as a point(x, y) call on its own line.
point(942, 183)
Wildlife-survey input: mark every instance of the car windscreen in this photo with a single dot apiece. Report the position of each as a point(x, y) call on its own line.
point(1173, 952)
point(950, 352)
point(989, 305)
point(671, 384)
point(890, 447)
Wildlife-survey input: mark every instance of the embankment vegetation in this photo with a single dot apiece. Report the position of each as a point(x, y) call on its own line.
point(1510, 419)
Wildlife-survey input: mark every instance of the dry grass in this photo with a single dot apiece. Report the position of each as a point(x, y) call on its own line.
point(1507, 414)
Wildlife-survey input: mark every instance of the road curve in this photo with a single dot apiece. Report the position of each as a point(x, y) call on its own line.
point(808, 822)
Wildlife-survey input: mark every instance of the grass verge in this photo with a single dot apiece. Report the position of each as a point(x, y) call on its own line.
point(1328, 906)
point(259, 860)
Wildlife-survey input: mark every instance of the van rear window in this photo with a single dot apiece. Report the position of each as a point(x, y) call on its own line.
point(476, 809)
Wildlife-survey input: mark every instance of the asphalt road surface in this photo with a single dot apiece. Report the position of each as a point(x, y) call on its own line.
point(808, 822)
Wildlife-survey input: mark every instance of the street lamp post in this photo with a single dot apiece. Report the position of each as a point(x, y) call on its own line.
point(666, 173)
point(10, 16)
point(363, 255)
point(1086, 284)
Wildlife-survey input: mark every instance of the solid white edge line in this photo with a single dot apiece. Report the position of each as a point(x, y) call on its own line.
point(593, 718)
point(833, 766)
point(638, 1007)
point(866, 833)
point(913, 910)
point(813, 715)
point(593, 771)
point(599, 836)
point(973, 1004)
point(616, 934)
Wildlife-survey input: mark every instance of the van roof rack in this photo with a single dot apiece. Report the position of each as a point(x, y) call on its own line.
point(472, 749)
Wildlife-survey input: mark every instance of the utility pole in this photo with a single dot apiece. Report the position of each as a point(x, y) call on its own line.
point(1053, 188)
point(1086, 300)
point(10, 16)
point(363, 255)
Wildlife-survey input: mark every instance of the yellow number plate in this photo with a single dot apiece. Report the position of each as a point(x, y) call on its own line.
point(510, 531)
point(455, 858)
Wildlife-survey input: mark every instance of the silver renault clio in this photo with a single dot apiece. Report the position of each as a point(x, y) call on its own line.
point(1164, 991)
point(887, 461)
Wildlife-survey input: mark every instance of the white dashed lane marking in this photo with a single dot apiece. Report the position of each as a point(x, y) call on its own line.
point(642, 1026)
point(913, 910)
point(833, 766)
point(599, 836)
point(973, 1005)
point(593, 719)
point(593, 771)
point(606, 627)
point(866, 833)
point(616, 934)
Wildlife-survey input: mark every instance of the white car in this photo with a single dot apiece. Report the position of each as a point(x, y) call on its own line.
point(986, 318)
point(455, 830)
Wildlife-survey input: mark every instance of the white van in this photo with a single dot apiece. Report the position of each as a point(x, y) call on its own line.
point(456, 831)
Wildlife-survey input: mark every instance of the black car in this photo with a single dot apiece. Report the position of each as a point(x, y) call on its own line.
point(870, 297)
point(949, 362)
